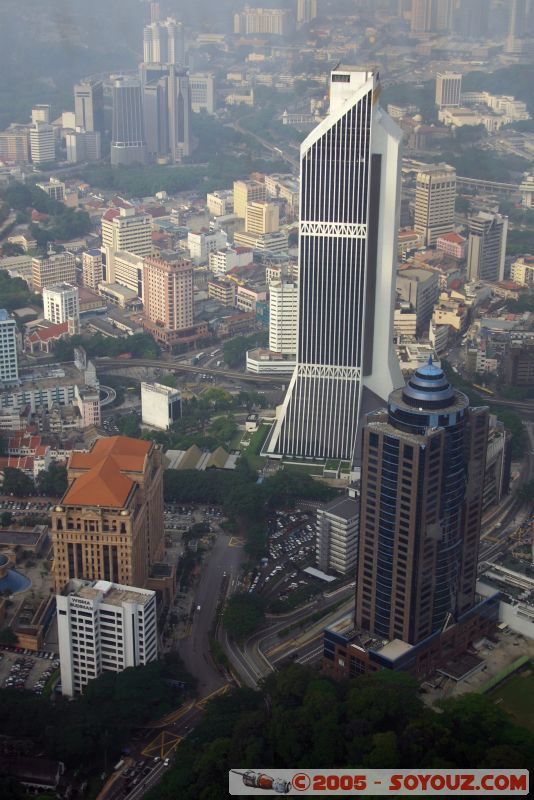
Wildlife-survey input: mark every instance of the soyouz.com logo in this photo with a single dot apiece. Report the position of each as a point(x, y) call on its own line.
point(444, 782)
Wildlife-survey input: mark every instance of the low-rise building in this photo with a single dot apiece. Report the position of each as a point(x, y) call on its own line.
point(420, 288)
point(224, 260)
point(247, 298)
point(452, 244)
point(223, 291)
point(220, 203)
point(522, 271)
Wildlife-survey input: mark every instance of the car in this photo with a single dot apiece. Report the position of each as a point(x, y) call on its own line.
point(166, 762)
point(156, 759)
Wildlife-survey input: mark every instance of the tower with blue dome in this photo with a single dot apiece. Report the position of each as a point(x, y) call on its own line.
point(423, 461)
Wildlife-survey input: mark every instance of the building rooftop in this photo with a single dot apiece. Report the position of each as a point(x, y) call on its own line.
point(115, 594)
point(344, 507)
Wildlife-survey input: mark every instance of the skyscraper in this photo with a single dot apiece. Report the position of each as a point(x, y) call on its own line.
point(283, 315)
point(421, 501)
point(471, 18)
point(89, 105)
point(306, 11)
point(124, 229)
point(487, 247)
point(128, 144)
point(9, 369)
point(164, 43)
point(349, 219)
point(156, 114)
point(435, 196)
point(179, 113)
point(42, 143)
point(431, 16)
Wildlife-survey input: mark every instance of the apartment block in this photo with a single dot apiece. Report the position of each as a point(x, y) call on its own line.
point(435, 196)
point(168, 292)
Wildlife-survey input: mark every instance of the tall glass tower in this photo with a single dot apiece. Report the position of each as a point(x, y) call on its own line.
point(423, 462)
point(349, 205)
point(128, 144)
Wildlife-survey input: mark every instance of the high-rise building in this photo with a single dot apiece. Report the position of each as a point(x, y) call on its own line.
point(9, 367)
point(431, 16)
point(53, 268)
point(128, 271)
point(519, 27)
point(336, 545)
point(41, 113)
point(128, 144)
point(247, 192)
point(61, 302)
point(487, 247)
point(89, 105)
point(261, 217)
point(168, 292)
point(125, 229)
point(83, 146)
point(156, 113)
point(471, 18)
point(103, 627)
point(164, 43)
point(42, 143)
point(348, 225)
point(202, 93)
point(109, 523)
point(272, 21)
point(92, 271)
point(421, 502)
point(179, 113)
point(435, 196)
point(160, 405)
point(15, 145)
point(306, 11)
point(448, 89)
point(283, 317)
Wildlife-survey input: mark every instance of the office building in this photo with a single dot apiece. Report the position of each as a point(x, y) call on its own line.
point(423, 462)
point(61, 303)
point(89, 106)
point(15, 145)
point(283, 317)
point(92, 270)
point(128, 271)
point(156, 114)
point(83, 146)
point(179, 114)
point(160, 405)
point(276, 243)
point(421, 501)
point(109, 523)
point(42, 143)
point(168, 292)
point(306, 11)
point(202, 243)
point(128, 143)
point(270, 21)
point(336, 546)
point(448, 89)
point(53, 268)
point(261, 217)
point(420, 288)
point(519, 364)
point(347, 242)
point(222, 261)
point(220, 203)
point(435, 196)
point(103, 627)
point(519, 27)
point(247, 192)
point(202, 93)
point(125, 229)
point(9, 367)
point(486, 249)
point(164, 43)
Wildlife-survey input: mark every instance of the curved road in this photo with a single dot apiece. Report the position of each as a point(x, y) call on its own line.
point(103, 365)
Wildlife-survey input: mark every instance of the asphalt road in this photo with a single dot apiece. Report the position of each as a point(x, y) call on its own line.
point(195, 649)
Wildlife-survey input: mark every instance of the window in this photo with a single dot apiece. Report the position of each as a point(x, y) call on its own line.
point(340, 78)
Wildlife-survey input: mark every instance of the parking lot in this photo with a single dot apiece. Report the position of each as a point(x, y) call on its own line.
point(34, 506)
point(26, 670)
point(291, 549)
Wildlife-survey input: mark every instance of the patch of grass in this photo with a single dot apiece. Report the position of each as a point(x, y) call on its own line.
point(332, 463)
point(252, 453)
point(309, 469)
point(516, 698)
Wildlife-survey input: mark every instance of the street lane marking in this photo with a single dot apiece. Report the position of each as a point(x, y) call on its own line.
point(222, 690)
point(236, 541)
point(164, 743)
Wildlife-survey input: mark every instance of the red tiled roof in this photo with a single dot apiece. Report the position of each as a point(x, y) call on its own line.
point(452, 237)
point(53, 332)
point(102, 485)
point(111, 214)
point(16, 462)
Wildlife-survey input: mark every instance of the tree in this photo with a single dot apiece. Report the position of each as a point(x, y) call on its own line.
point(6, 518)
point(17, 483)
point(7, 636)
point(53, 482)
point(129, 426)
point(243, 614)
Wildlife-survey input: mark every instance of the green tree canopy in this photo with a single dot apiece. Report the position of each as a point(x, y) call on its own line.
point(243, 614)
